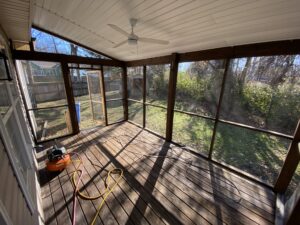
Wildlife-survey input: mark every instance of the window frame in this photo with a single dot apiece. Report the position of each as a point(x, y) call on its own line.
point(10, 152)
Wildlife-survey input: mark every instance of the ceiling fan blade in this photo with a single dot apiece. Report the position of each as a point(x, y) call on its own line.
point(120, 30)
point(121, 43)
point(154, 41)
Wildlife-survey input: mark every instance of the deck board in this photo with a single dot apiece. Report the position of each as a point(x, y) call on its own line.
point(159, 185)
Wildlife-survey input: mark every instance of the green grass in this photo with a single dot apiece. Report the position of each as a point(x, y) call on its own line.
point(256, 153)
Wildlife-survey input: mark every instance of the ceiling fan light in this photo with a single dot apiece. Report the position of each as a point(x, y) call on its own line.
point(132, 42)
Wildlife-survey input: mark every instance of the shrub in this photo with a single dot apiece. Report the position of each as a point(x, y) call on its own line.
point(257, 97)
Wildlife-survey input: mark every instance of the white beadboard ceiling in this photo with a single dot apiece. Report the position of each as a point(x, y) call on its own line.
point(189, 25)
point(16, 18)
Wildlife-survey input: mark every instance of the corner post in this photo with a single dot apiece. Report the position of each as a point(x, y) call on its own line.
point(290, 164)
point(144, 96)
point(125, 93)
point(70, 97)
point(171, 95)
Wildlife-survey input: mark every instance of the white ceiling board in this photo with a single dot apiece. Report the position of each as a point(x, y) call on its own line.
point(15, 17)
point(189, 25)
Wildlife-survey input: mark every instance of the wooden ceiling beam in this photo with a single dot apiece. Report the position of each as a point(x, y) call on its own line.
point(259, 49)
point(54, 57)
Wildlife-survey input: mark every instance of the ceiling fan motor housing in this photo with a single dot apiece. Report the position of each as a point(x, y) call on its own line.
point(132, 39)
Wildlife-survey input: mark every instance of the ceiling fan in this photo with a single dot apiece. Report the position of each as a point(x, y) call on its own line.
point(132, 38)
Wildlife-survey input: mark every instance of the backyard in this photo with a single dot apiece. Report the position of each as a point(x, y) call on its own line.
point(262, 92)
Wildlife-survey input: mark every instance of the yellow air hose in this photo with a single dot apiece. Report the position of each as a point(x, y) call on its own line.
point(109, 187)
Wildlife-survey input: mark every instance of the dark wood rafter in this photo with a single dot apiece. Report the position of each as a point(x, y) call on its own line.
point(70, 97)
point(226, 66)
point(125, 92)
point(55, 57)
point(151, 61)
point(144, 95)
point(103, 95)
point(171, 96)
point(249, 50)
point(72, 41)
point(290, 164)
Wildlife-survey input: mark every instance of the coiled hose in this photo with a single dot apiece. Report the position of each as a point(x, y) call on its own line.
point(109, 187)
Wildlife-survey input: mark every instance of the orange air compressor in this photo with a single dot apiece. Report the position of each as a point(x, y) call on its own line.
point(58, 159)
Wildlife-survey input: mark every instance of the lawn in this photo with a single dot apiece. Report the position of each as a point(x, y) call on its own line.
point(256, 153)
point(51, 123)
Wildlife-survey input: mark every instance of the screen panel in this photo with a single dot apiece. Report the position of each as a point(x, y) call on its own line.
point(44, 84)
point(51, 123)
point(115, 111)
point(157, 84)
point(257, 153)
point(198, 86)
point(135, 83)
point(156, 119)
point(263, 92)
point(113, 80)
point(193, 131)
point(135, 112)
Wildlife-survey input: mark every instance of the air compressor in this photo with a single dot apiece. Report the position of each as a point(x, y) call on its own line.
point(58, 159)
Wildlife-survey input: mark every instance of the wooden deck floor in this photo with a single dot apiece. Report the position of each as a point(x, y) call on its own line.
point(160, 185)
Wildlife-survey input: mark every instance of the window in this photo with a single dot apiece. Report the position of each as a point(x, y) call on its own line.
point(263, 92)
point(86, 85)
point(14, 132)
point(157, 84)
point(260, 92)
point(257, 153)
point(135, 112)
point(4, 71)
point(45, 96)
point(135, 83)
point(198, 87)
point(135, 94)
point(197, 96)
point(4, 100)
point(113, 80)
point(45, 42)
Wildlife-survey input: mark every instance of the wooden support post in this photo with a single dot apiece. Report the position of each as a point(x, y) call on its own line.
point(70, 97)
point(292, 208)
point(144, 96)
point(103, 95)
point(171, 95)
point(101, 92)
point(125, 93)
point(227, 62)
point(90, 95)
point(31, 46)
point(290, 164)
